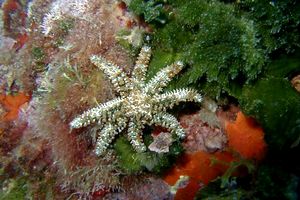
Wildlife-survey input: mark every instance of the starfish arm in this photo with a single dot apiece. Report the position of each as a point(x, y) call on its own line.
point(107, 134)
point(118, 78)
point(168, 121)
point(140, 68)
point(162, 78)
point(134, 135)
point(169, 99)
point(102, 113)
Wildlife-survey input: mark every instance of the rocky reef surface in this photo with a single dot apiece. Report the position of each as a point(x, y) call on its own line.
point(223, 77)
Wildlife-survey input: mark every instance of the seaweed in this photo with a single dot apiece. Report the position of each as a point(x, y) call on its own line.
point(25, 186)
point(38, 54)
point(216, 192)
point(135, 162)
point(224, 44)
point(151, 11)
point(15, 189)
point(272, 182)
point(275, 104)
point(63, 26)
point(286, 66)
point(277, 23)
point(233, 166)
point(217, 44)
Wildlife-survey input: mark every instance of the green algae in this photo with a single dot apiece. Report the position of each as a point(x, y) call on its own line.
point(135, 162)
point(16, 189)
point(38, 54)
point(217, 45)
point(275, 104)
point(223, 44)
point(272, 182)
point(229, 48)
point(152, 10)
point(277, 23)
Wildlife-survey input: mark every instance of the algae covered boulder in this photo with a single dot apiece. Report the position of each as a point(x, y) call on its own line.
point(276, 105)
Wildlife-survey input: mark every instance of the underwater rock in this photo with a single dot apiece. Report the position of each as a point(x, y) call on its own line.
point(201, 135)
point(14, 18)
point(47, 78)
point(149, 189)
point(161, 143)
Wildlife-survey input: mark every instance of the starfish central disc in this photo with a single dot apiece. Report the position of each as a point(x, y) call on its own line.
point(137, 105)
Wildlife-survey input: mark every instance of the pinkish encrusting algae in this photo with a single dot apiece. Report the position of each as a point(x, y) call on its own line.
point(204, 129)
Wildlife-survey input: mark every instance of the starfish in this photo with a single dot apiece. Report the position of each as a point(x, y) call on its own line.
point(139, 103)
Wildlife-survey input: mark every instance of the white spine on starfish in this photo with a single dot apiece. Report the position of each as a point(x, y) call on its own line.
point(134, 133)
point(103, 112)
point(118, 78)
point(169, 99)
point(141, 65)
point(168, 121)
point(162, 78)
point(107, 134)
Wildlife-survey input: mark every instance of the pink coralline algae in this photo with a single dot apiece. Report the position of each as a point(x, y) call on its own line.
point(201, 135)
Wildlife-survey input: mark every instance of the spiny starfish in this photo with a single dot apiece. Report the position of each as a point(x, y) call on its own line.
point(139, 102)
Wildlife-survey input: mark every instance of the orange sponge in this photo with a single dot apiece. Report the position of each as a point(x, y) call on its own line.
point(199, 168)
point(246, 137)
point(12, 103)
